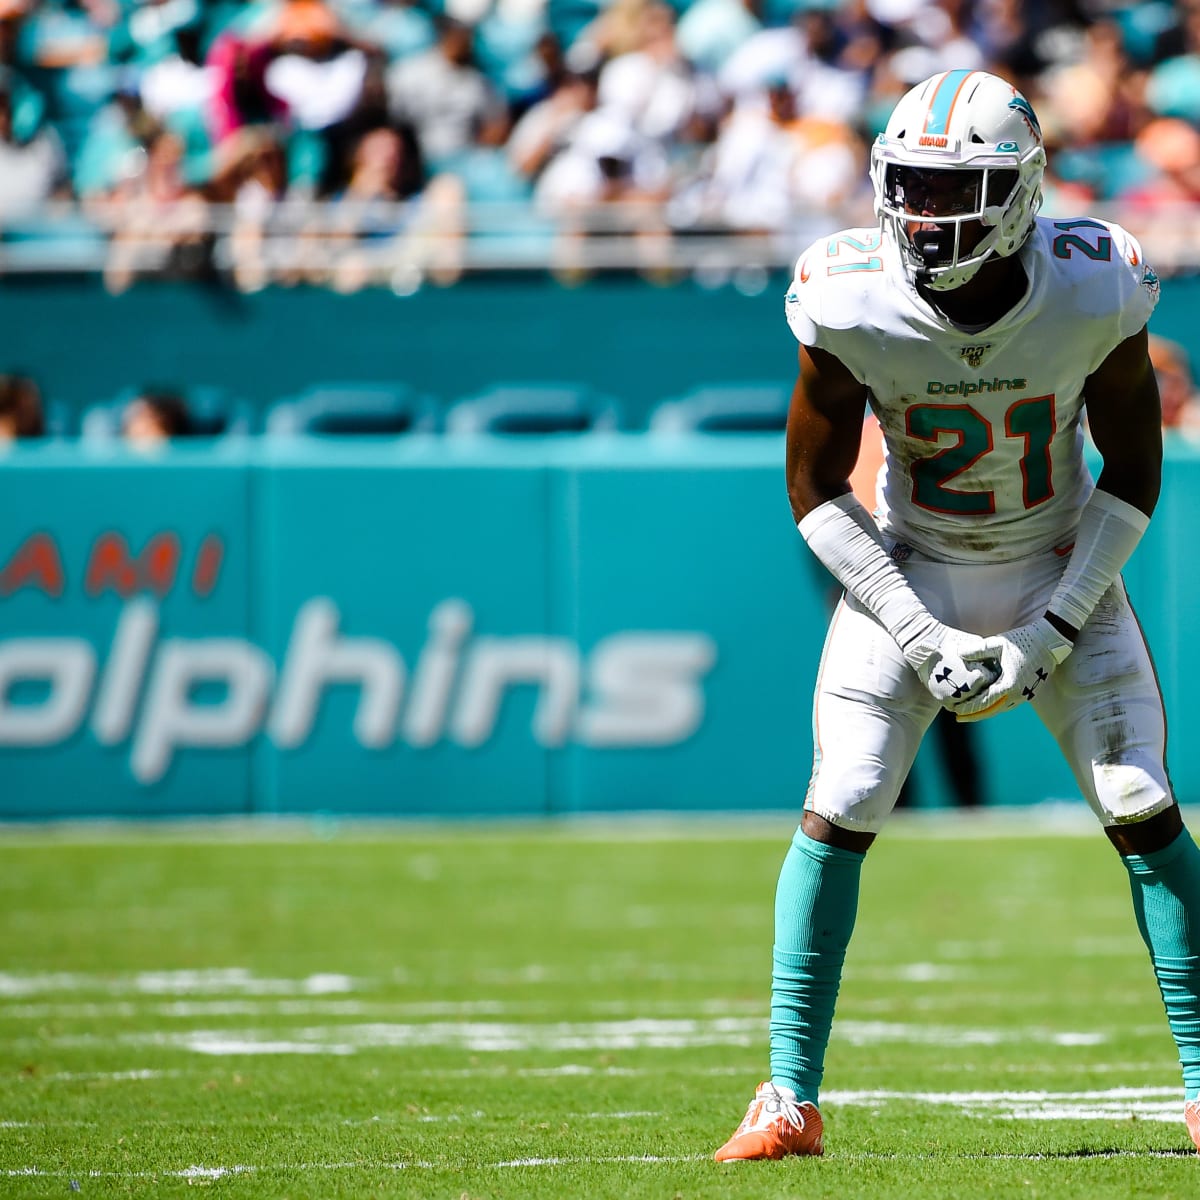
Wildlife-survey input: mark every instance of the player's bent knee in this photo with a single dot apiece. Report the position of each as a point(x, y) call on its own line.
point(857, 799)
point(1131, 791)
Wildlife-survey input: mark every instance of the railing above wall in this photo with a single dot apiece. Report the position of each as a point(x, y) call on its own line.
point(400, 245)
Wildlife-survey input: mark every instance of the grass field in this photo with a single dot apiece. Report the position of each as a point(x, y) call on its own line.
point(566, 1013)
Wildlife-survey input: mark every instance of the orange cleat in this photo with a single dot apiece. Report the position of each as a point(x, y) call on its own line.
point(1191, 1114)
point(776, 1125)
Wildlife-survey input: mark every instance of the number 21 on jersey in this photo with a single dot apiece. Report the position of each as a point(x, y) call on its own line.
point(853, 252)
point(1030, 420)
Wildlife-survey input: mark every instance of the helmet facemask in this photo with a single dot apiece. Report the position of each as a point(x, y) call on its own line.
point(962, 153)
point(932, 210)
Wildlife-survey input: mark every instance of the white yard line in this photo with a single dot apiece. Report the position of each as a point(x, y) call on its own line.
point(1163, 1104)
point(124, 1009)
point(972, 1097)
point(217, 981)
point(557, 1037)
point(298, 1007)
point(107, 1076)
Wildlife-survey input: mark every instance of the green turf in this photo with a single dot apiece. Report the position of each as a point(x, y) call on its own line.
point(445, 1007)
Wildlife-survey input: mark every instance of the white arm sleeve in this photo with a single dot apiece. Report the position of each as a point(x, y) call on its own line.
point(842, 535)
point(1109, 531)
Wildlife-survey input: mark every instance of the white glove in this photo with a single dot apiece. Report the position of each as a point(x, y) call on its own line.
point(1028, 656)
point(954, 666)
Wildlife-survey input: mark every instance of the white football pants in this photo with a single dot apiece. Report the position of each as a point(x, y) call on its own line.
point(1102, 705)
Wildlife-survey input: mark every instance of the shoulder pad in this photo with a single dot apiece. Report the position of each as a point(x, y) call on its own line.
point(1105, 267)
point(834, 281)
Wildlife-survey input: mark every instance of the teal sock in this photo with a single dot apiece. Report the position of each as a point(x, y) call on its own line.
point(1166, 901)
point(815, 905)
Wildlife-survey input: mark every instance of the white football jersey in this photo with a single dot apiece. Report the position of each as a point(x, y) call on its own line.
point(984, 448)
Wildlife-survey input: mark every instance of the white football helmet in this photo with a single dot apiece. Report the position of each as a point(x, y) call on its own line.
point(984, 131)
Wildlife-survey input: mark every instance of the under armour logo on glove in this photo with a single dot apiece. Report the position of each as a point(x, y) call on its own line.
point(958, 690)
point(950, 663)
point(1041, 676)
point(1028, 656)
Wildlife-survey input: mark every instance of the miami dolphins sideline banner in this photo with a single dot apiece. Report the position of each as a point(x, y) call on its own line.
point(423, 627)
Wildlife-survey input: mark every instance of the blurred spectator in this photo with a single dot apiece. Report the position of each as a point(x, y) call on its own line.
point(386, 168)
point(616, 30)
point(606, 161)
point(161, 225)
point(251, 177)
point(1098, 98)
point(180, 81)
point(20, 409)
point(709, 31)
point(142, 105)
point(1176, 386)
point(371, 213)
point(946, 28)
point(111, 148)
point(653, 87)
point(316, 72)
point(240, 96)
point(817, 59)
point(549, 125)
point(537, 76)
point(609, 180)
point(772, 170)
point(330, 170)
point(1170, 150)
point(154, 417)
point(445, 97)
point(32, 169)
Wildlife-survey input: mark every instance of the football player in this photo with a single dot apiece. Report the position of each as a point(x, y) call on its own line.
point(979, 334)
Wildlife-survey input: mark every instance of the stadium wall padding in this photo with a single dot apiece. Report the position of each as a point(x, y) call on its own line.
point(625, 337)
point(429, 627)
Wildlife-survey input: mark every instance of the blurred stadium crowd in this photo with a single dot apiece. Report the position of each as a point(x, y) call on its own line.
point(354, 142)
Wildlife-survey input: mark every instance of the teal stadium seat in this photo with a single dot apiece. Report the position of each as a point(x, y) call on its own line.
point(750, 407)
point(59, 418)
point(534, 409)
point(354, 410)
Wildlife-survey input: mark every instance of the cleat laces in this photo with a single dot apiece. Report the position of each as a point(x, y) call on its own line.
point(773, 1104)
